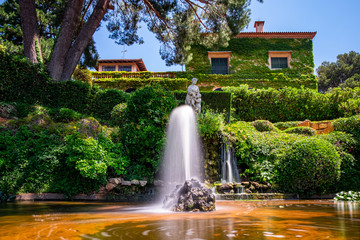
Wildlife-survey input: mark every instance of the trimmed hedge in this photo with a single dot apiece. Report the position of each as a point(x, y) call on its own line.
point(216, 100)
point(126, 83)
point(288, 104)
point(308, 131)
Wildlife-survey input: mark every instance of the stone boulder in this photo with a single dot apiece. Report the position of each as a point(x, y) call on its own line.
point(191, 196)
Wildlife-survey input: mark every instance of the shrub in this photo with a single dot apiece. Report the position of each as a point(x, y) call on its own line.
point(82, 74)
point(264, 126)
point(348, 196)
point(210, 123)
point(105, 100)
point(309, 166)
point(350, 107)
point(118, 114)
point(308, 131)
point(64, 115)
point(142, 133)
point(286, 125)
point(349, 125)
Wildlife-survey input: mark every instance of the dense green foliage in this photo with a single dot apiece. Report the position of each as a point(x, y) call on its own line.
point(143, 131)
point(289, 104)
point(263, 126)
point(265, 155)
point(309, 166)
point(345, 72)
point(23, 82)
point(250, 56)
point(301, 130)
point(40, 155)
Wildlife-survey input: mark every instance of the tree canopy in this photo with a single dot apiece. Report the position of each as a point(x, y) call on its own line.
point(345, 72)
point(65, 28)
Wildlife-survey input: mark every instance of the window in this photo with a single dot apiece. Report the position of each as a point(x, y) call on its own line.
point(279, 59)
point(108, 68)
point(279, 62)
point(124, 68)
point(219, 65)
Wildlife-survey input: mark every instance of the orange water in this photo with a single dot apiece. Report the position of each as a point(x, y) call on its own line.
point(232, 220)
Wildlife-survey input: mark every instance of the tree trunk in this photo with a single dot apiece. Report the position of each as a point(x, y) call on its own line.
point(30, 29)
point(63, 42)
point(82, 40)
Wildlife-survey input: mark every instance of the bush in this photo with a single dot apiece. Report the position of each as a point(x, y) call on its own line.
point(210, 124)
point(286, 125)
point(118, 114)
point(309, 166)
point(64, 115)
point(105, 100)
point(143, 132)
point(264, 126)
point(308, 131)
point(348, 196)
point(82, 74)
point(350, 107)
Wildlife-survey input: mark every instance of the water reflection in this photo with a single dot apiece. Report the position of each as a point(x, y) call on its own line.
point(232, 220)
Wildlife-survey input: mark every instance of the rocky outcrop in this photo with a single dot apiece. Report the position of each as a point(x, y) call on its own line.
point(190, 197)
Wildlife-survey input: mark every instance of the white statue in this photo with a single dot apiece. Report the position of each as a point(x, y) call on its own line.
point(193, 97)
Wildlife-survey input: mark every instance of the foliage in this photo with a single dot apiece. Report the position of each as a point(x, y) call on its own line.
point(105, 100)
point(56, 157)
point(348, 196)
point(263, 126)
point(308, 131)
point(125, 83)
point(142, 133)
point(64, 115)
point(350, 107)
point(288, 104)
point(217, 101)
point(210, 124)
point(344, 72)
point(82, 74)
point(118, 114)
point(286, 125)
point(349, 125)
point(310, 166)
point(250, 56)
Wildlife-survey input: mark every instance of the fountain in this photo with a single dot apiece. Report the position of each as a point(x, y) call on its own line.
point(182, 161)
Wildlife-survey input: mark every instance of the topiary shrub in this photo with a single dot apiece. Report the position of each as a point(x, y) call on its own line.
point(310, 166)
point(308, 131)
point(83, 74)
point(264, 126)
point(143, 132)
point(118, 114)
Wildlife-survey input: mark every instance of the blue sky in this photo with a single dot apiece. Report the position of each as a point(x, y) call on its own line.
point(336, 23)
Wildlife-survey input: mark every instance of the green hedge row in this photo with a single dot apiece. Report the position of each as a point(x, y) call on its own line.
point(216, 100)
point(21, 81)
point(206, 82)
point(288, 104)
point(126, 83)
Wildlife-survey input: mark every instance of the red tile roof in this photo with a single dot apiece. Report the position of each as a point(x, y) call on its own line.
point(139, 62)
point(295, 35)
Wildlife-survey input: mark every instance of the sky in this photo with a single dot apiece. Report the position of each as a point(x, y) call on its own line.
point(336, 23)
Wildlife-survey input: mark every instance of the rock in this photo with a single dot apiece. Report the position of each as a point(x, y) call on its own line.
point(135, 182)
point(110, 186)
point(7, 110)
point(245, 184)
point(143, 183)
point(191, 196)
point(102, 189)
point(158, 183)
point(256, 185)
point(125, 183)
point(248, 191)
point(116, 181)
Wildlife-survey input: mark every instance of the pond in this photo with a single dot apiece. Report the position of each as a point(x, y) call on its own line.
point(303, 219)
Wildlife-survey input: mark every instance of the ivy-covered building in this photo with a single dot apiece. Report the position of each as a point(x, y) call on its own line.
point(265, 56)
